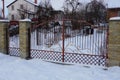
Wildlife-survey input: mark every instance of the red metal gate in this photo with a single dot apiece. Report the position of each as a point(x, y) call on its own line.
point(62, 41)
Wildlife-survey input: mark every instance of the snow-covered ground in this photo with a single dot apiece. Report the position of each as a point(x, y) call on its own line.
point(12, 68)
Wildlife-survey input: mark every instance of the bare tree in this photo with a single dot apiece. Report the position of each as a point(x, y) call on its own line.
point(0, 13)
point(95, 11)
point(45, 3)
point(72, 10)
point(71, 7)
point(44, 11)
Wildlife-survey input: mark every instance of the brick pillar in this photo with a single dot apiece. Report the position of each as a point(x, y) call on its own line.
point(114, 42)
point(3, 36)
point(24, 30)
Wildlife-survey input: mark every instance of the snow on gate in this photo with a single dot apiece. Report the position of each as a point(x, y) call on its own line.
point(85, 44)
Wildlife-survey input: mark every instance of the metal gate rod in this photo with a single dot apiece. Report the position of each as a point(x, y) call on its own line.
point(63, 42)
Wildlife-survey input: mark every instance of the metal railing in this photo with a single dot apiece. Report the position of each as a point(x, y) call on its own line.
point(84, 43)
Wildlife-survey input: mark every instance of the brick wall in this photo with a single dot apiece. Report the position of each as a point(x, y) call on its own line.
point(114, 43)
point(3, 35)
point(24, 38)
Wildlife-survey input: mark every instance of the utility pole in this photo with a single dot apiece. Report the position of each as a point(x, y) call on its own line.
point(3, 10)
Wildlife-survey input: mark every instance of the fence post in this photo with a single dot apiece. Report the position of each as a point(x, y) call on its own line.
point(114, 42)
point(3, 36)
point(24, 33)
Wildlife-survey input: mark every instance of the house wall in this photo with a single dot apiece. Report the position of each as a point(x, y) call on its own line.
point(112, 13)
point(15, 12)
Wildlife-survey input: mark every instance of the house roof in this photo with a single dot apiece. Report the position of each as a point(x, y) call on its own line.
point(24, 0)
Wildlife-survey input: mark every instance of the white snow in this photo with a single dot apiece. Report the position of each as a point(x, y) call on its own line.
point(115, 18)
point(12, 68)
point(14, 41)
point(29, 20)
point(3, 20)
point(82, 44)
point(90, 44)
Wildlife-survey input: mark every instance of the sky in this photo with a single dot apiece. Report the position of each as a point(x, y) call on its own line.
point(57, 4)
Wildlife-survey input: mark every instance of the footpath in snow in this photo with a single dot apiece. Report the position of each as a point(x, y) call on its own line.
point(12, 68)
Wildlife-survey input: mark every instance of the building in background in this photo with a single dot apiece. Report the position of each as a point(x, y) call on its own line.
point(113, 12)
point(21, 9)
point(113, 8)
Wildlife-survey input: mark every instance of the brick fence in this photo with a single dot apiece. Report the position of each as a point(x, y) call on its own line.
point(24, 37)
point(24, 28)
point(114, 43)
point(3, 36)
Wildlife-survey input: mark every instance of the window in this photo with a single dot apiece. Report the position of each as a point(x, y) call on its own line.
point(118, 13)
point(21, 6)
point(12, 7)
point(12, 17)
